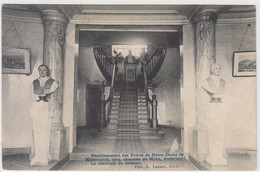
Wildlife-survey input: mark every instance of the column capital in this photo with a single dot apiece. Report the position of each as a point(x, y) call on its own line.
point(205, 15)
point(53, 16)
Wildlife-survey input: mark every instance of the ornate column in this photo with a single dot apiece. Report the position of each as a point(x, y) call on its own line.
point(55, 25)
point(204, 25)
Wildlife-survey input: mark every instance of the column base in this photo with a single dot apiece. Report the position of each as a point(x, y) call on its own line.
point(216, 160)
point(200, 145)
point(155, 123)
point(57, 141)
point(41, 160)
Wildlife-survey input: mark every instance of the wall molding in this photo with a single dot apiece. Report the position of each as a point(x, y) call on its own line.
point(21, 16)
point(113, 19)
point(16, 151)
point(128, 19)
point(234, 18)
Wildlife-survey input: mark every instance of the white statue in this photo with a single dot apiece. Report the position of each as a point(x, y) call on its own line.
point(175, 146)
point(216, 117)
point(43, 87)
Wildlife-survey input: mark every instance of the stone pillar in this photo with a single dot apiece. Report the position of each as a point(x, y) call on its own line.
point(55, 25)
point(154, 111)
point(204, 25)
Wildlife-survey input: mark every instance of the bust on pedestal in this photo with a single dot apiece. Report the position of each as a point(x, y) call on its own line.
point(43, 87)
point(216, 118)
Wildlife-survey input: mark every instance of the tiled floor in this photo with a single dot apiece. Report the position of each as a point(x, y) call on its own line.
point(88, 143)
point(236, 162)
point(21, 162)
point(95, 145)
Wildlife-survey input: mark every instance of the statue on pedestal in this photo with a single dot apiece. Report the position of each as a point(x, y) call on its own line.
point(216, 118)
point(43, 87)
point(130, 58)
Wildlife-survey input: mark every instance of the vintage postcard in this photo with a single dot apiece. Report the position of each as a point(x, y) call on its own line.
point(129, 87)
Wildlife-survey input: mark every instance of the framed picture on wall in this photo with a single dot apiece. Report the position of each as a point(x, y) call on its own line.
point(16, 61)
point(244, 64)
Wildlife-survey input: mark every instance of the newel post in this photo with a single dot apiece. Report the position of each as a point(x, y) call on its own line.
point(154, 111)
point(103, 111)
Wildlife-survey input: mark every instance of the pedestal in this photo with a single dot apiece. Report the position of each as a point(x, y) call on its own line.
point(199, 147)
point(216, 133)
point(130, 72)
point(57, 146)
point(41, 129)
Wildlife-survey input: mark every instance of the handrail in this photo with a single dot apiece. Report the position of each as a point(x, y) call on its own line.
point(107, 56)
point(109, 99)
point(167, 78)
point(154, 63)
point(148, 101)
point(151, 56)
point(112, 82)
point(104, 62)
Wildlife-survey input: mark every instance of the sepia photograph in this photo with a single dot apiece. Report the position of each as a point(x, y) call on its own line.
point(151, 87)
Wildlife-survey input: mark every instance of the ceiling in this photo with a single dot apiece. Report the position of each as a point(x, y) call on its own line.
point(185, 10)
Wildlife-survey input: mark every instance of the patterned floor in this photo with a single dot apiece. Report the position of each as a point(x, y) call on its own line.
point(129, 146)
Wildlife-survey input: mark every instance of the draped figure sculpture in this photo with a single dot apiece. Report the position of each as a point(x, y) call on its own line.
point(43, 87)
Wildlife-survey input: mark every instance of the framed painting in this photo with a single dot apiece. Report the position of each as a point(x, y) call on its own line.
point(244, 64)
point(16, 61)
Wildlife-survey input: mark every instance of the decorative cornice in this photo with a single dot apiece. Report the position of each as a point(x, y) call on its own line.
point(91, 11)
point(237, 17)
point(22, 16)
point(130, 19)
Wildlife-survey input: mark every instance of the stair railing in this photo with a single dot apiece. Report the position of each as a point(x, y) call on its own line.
point(148, 100)
point(110, 97)
point(154, 63)
point(104, 62)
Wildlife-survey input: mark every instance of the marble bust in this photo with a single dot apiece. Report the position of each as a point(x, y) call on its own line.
point(214, 85)
point(44, 85)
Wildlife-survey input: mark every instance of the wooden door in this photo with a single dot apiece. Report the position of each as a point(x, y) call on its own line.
point(94, 104)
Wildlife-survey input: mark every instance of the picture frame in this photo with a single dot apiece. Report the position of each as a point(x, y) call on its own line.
point(16, 61)
point(244, 64)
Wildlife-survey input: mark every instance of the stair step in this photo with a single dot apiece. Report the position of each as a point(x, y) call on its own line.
point(129, 110)
point(113, 116)
point(142, 121)
point(127, 127)
point(128, 99)
point(142, 111)
point(127, 121)
point(142, 108)
point(141, 94)
point(111, 126)
point(128, 106)
point(109, 131)
point(112, 120)
point(141, 104)
point(115, 107)
point(114, 112)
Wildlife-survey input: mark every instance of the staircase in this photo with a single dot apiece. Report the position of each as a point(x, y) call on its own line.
point(129, 101)
point(129, 113)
